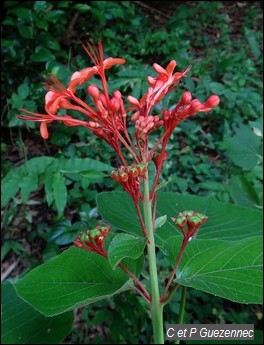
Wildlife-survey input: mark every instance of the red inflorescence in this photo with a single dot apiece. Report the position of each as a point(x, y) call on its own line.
point(130, 178)
point(93, 240)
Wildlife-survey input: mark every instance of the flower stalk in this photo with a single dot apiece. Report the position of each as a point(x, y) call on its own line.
point(156, 306)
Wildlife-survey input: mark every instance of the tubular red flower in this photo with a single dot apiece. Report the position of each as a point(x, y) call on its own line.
point(110, 62)
point(80, 77)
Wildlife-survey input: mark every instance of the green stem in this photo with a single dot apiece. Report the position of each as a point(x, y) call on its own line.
point(156, 306)
point(182, 309)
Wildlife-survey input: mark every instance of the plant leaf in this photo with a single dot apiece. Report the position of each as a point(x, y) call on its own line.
point(118, 209)
point(225, 222)
point(161, 185)
point(70, 280)
point(244, 147)
point(125, 246)
point(232, 270)
point(28, 184)
point(59, 192)
point(252, 41)
point(160, 221)
point(76, 165)
point(10, 186)
point(21, 324)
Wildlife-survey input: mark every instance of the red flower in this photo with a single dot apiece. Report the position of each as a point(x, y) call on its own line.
point(164, 82)
point(48, 118)
point(101, 64)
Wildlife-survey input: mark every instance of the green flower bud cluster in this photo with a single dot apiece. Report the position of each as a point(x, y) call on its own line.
point(192, 219)
point(93, 240)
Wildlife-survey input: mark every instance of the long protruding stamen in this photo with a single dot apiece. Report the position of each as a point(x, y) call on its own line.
point(93, 54)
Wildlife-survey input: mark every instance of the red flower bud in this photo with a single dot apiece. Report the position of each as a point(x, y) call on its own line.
point(186, 98)
point(166, 114)
point(158, 159)
point(135, 116)
point(132, 100)
point(103, 100)
point(180, 221)
point(142, 169)
point(195, 106)
point(93, 91)
point(212, 101)
point(115, 175)
point(117, 94)
point(123, 177)
point(115, 105)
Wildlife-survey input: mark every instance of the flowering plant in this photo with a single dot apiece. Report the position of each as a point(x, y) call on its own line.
point(103, 263)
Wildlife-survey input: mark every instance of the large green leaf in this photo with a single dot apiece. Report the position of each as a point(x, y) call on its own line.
point(244, 147)
point(243, 192)
point(232, 270)
point(225, 222)
point(125, 246)
point(118, 209)
point(73, 279)
point(21, 324)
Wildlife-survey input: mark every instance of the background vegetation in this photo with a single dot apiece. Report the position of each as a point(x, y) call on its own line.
point(217, 154)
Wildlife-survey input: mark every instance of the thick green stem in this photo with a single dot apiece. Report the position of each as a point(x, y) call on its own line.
point(156, 306)
point(182, 309)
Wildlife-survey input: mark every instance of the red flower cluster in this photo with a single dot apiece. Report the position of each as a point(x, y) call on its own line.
point(130, 178)
point(192, 219)
point(93, 240)
point(107, 120)
point(185, 108)
point(107, 117)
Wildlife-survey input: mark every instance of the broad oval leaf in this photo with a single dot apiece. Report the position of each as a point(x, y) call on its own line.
point(228, 269)
point(73, 279)
point(125, 246)
point(22, 324)
point(225, 222)
point(118, 209)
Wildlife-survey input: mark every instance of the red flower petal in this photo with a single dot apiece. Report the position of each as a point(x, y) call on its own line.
point(44, 130)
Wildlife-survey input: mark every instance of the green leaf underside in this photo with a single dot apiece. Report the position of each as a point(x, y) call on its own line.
point(21, 324)
point(160, 221)
point(118, 209)
point(125, 246)
point(225, 221)
point(244, 147)
point(73, 279)
point(226, 240)
point(232, 270)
